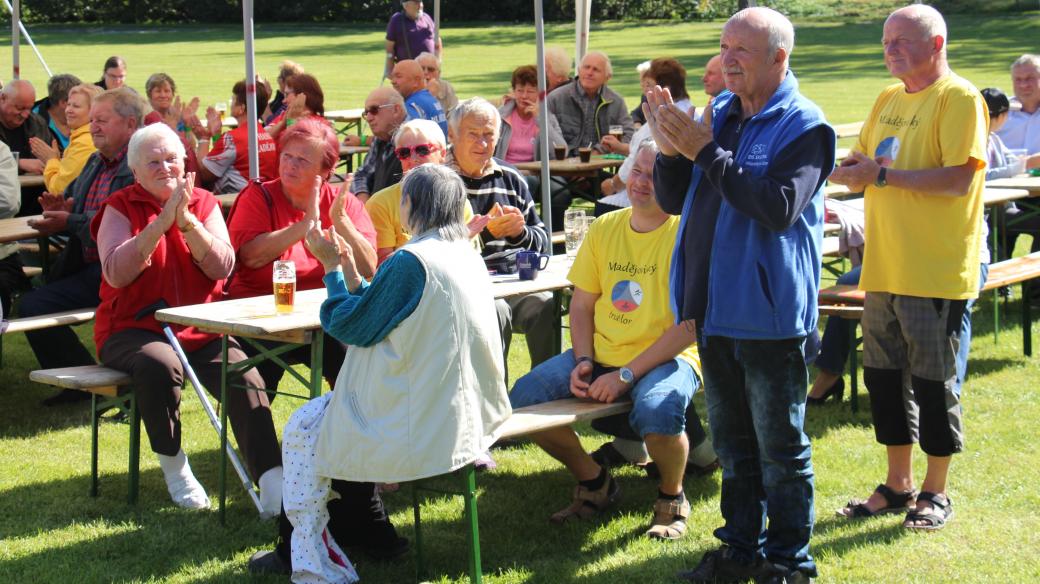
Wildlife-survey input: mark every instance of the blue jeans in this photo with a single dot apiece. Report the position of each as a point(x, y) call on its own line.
point(965, 344)
point(659, 398)
point(755, 392)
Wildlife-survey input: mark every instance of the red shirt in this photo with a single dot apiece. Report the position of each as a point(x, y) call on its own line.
point(251, 216)
point(171, 276)
point(229, 159)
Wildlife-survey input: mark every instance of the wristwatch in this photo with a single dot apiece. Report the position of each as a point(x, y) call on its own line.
point(880, 180)
point(583, 359)
point(626, 375)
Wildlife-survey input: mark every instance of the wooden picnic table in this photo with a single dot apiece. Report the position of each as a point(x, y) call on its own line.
point(576, 172)
point(17, 229)
point(347, 154)
point(252, 319)
point(30, 180)
point(349, 118)
point(1027, 182)
point(850, 130)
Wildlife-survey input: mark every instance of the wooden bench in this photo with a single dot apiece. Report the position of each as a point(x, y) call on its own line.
point(847, 302)
point(31, 323)
point(523, 421)
point(108, 388)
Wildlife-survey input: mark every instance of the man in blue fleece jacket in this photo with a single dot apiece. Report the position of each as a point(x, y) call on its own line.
point(746, 268)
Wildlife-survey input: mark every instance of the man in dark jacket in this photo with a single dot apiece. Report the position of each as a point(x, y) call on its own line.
point(17, 125)
point(384, 113)
point(588, 108)
point(76, 277)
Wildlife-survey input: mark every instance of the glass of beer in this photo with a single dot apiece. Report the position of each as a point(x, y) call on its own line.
point(284, 276)
point(574, 230)
point(617, 131)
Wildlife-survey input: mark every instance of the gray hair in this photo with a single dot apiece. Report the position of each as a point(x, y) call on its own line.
point(643, 68)
point(647, 144)
point(152, 134)
point(428, 55)
point(14, 85)
point(606, 61)
point(58, 87)
point(126, 102)
point(428, 128)
point(474, 106)
point(1027, 60)
point(927, 19)
point(558, 60)
point(436, 195)
point(778, 27)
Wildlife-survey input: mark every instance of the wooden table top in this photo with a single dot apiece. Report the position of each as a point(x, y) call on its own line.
point(351, 150)
point(256, 317)
point(572, 166)
point(30, 180)
point(991, 195)
point(848, 130)
point(17, 228)
point(345, 115)
point(1025, 181)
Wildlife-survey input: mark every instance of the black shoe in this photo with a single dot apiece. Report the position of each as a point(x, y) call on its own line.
point(837, 390)
point(721, 566)
point(782, 575)
point(608, 457)
point(67, 396)
point(268, 562)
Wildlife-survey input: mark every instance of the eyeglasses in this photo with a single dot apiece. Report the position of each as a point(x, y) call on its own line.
point(374, 110)
point(421, 150)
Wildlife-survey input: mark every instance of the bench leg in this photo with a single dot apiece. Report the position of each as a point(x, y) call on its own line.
point(93, 445)
point(1027, 321)
point(135, 450)
point(469, 495)
point(223, 427)
point(420, 563)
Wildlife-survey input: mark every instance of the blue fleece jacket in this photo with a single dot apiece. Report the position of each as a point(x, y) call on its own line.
point(765, 273)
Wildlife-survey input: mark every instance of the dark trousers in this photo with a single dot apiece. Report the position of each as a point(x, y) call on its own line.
point(12, 279)
point(59, 346)
point(356, 518)
point(158, 376)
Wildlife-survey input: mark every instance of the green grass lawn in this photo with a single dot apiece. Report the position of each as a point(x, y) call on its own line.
point(51, 531)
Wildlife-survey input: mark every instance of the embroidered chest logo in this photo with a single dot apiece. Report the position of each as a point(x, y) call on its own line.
point(757, 156)
point(627, 295)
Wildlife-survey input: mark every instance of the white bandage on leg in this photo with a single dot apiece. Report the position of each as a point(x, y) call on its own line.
point(271, 493)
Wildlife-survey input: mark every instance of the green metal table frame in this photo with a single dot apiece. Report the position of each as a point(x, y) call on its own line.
point(125, 402)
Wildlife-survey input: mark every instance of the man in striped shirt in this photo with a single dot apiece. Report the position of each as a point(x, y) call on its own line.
point(499, 191)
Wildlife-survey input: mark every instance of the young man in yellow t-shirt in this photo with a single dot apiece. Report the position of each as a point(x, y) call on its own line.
point(626, 345)
point(921, 160)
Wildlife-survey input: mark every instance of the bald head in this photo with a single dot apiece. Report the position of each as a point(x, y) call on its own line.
point(914, 39)
point(407, 77)
point(16, 102)
point(389, 112)
point(779, 31)
point(925, 19)
point(713, 81)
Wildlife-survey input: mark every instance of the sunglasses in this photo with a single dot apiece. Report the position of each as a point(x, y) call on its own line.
point(420, 150)
point(374, 110)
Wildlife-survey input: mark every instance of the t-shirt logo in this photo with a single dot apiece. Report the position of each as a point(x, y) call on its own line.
point(627, 295)
point(887, 151)
point(757, 156)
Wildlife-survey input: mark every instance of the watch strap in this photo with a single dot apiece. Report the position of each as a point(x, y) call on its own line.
point(881, 181)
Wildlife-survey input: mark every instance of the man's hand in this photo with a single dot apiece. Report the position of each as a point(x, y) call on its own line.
point(214, 121)
point(509, 223)
point(655, 99)
point(856, 172)
point(610, 144)
point(31, 165)
point(55, 202)
point(52, 222)
point(580, 376)
point(608, 388)
point(352, 140)
point(684, 134)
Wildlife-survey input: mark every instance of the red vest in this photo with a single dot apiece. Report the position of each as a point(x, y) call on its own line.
point(172, 276)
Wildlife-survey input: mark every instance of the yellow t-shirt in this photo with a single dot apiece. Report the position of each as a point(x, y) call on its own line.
point(919, 244)
point(384, 208)
point(629, 272)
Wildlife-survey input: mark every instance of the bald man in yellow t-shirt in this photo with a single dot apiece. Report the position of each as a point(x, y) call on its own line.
point(921, 161)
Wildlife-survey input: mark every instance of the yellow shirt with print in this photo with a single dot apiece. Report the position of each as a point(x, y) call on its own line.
point(384, 208)
point(629, 272)
point(919, 244)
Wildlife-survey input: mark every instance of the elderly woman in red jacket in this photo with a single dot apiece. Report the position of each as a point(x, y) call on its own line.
point(161, 239)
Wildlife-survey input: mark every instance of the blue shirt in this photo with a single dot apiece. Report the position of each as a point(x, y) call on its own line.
point(422, 105)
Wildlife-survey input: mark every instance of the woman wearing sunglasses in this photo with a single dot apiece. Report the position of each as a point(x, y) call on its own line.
point(415, 143)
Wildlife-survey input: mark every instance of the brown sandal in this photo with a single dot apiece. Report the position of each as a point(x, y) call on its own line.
point(669, 519)
point(894, 503)
point(587, 504)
